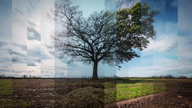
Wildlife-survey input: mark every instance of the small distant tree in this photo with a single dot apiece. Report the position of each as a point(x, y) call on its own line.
point(169, 77)
point(24, 76)
point(161, 76)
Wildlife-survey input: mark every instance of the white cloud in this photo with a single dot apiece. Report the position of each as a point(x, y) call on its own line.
point(161, 44)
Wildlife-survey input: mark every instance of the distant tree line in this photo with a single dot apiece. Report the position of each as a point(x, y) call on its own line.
point(115, 76)
point(22, 77)
point(170, 77)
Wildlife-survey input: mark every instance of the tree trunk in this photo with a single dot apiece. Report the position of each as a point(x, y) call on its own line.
point(95, 76)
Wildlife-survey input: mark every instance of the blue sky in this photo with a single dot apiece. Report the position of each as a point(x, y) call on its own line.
point(25, 30)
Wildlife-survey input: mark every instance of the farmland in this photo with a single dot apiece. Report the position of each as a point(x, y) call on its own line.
point(30, 93)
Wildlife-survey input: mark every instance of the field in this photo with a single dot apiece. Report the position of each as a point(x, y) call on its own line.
point(84, 93)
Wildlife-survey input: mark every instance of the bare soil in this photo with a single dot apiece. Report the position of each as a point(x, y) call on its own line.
point(48, 93)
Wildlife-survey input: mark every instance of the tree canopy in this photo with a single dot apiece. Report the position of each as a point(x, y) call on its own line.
point(107, 37)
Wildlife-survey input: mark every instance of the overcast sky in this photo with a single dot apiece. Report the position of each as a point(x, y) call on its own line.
point(25, 29)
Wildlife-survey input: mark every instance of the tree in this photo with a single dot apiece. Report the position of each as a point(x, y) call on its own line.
point(182, 77)
point(24, 76)
point(105, 37)
point(169, 77)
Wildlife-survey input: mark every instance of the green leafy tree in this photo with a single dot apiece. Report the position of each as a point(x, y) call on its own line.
point(105, 37)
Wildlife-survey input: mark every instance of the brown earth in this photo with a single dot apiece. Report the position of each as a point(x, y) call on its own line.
point(47, 93)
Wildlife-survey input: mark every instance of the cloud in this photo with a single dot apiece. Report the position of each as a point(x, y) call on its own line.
point(6, 59)
point(14, 71)
point(32, 34)
point(16, 53)
point(30, 63)
point(2, 44)
point(5, 70)
point(38, 60)
point(121, 4)
point(172, 47)
point(34, 53)
point(22, 47)
point(161, 44)
point(18, 57)
point(30, 71)
point(17, 12)
point(5, 66)
point(45, 54)
point(30, 23)
point(33, 3)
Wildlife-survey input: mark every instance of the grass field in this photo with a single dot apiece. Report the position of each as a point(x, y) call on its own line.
point(50, 92)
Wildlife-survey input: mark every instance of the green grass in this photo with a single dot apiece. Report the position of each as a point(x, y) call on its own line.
point(5, 86)
point(132, 88)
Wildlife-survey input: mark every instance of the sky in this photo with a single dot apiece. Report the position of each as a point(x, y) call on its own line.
point(25, 30)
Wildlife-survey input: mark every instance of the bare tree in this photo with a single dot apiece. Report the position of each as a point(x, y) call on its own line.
point(98, 38)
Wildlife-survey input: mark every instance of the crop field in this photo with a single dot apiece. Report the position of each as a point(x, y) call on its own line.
point(56, 93)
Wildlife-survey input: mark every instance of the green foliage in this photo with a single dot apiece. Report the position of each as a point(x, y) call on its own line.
point(134, 27)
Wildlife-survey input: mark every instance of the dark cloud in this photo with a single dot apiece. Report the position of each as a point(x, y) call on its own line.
point(30, 63)
point(33, 34)
point(16, 59)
